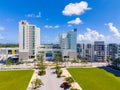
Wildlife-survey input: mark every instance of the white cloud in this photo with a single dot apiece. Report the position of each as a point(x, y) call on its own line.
point(76, 21)
point(2, 28)
point(34, 15)
point(113, 29)
point(1, 37)
point(75, 8)
point(69, 25)
point(48, 26)
point(90, 36)
point(39, 15)
point(57, 26)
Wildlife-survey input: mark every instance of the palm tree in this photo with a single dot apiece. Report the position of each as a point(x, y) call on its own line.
point(58, 58)
point(65, 60)
point(108, 59)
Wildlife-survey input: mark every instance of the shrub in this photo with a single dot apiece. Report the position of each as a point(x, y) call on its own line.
point(41, 66)
point(57, 67)
point(69, 79)
point(59, 72)
point(37, 82)
point(41, 72)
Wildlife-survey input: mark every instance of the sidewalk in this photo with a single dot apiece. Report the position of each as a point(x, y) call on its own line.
point(50, 80)
point(35, 75)
point(67, 74)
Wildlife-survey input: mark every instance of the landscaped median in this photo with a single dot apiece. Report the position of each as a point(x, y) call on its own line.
point(95, 79)
point(15, 79)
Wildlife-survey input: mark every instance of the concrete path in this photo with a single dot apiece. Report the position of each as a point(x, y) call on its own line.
point(67, 74)
point(33, 78)
point(50, 80)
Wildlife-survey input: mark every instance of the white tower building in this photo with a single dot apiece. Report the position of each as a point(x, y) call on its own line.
point(29, 40)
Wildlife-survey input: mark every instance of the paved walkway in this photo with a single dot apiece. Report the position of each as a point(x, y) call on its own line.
point(50, 80)
point(67, 74)
point(35, 74)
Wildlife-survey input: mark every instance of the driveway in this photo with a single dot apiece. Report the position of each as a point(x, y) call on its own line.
point(50, 80)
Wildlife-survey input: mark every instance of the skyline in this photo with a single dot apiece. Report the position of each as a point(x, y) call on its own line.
point(94, 20)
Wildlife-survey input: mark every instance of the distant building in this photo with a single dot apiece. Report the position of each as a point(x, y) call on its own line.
point(118, 51)
point(68, 44)
point(8, 52)
point(81, 50)
point(112, 50)
point(49, 51)
point(89, 52)
point(99, 51)
point(85, 51)
point(29, 40)
point(69, 40)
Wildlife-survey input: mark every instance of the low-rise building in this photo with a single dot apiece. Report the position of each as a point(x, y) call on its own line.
point(8, 52)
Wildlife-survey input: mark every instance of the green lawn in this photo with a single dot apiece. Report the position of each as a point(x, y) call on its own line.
point(15, 79)
point(95, 79)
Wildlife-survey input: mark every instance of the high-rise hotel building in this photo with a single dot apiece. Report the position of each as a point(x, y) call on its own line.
point(29, 40)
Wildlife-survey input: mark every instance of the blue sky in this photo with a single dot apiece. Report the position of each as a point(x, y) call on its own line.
point(94, 19)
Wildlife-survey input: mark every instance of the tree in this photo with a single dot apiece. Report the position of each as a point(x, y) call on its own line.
point(58, 58)
point(41, 65)
point(9, 62)
point(65, 60)
point(108, 59)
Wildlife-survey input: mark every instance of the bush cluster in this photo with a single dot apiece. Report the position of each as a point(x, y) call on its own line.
point(58, 71)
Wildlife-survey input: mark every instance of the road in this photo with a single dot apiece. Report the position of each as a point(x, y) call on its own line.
point(50, 80)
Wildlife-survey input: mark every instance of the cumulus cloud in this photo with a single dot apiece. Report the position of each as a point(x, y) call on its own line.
point(75, 8)
point(113, 29)
point(76, 21)
point(90, 36)
point(34, 15)
point(57, 26)
point(48, 26)
point(2, 28)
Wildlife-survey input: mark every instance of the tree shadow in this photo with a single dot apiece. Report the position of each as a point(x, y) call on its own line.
point(111, 70)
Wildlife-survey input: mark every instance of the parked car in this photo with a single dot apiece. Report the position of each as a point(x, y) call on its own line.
point(65, 85)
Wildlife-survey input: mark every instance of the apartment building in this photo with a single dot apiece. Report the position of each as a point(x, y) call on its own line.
point(112, 50)
point(85, 51)
point(99, 51)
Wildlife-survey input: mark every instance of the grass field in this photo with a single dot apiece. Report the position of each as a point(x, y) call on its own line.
point(95, 79)
point(15, 79)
